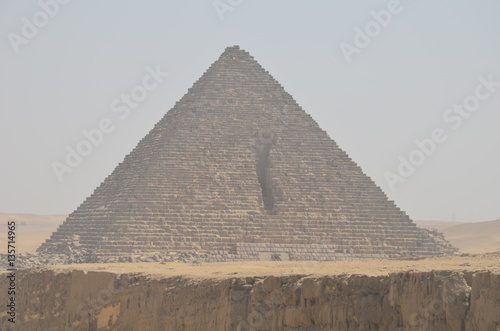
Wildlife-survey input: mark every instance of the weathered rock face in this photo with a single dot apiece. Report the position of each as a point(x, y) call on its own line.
point(238, 171)
point(404, 301)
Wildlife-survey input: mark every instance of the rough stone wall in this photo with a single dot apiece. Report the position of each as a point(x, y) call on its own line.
point(237, 160)
point(404, 301)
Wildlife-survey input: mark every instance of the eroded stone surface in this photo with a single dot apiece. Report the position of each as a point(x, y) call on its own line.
point(410, 300)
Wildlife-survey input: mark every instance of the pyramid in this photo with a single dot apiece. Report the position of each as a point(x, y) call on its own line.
point(236, 171)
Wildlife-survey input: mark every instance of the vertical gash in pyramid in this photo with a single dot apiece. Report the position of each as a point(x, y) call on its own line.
point(236, 170)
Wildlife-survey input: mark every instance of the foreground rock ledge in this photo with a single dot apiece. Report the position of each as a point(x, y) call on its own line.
point(448, 293)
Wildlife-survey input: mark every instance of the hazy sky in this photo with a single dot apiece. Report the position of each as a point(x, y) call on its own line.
point(376, 75)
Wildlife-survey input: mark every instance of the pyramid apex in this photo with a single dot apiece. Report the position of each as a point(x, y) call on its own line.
point(234, 49)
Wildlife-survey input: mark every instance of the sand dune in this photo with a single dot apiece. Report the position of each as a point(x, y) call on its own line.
point(480, 237)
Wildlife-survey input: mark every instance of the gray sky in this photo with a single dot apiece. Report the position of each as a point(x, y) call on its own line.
point(375, 92)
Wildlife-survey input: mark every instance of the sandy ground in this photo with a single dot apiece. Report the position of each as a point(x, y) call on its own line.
point(200, 271)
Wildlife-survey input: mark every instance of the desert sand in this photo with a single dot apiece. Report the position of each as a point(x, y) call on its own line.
point(224, 270)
